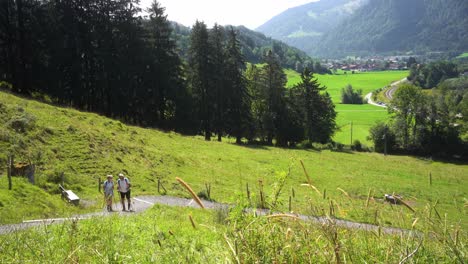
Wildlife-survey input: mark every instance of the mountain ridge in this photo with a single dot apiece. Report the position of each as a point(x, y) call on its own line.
point(376, 27)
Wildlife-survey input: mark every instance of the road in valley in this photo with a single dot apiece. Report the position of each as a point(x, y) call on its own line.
point(388, 93)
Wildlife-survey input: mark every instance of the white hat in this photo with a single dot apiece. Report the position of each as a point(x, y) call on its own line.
point(121, 175)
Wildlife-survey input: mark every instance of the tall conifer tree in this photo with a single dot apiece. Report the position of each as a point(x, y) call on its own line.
point(239, 116)
point(201, 67)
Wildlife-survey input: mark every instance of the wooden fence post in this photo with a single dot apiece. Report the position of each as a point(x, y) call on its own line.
point(9, 160)
point(208, 190)
point(262, 197)
point(159, 185)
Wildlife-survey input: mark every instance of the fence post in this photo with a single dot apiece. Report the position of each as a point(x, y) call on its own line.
point(9, 159)
point(159, 185)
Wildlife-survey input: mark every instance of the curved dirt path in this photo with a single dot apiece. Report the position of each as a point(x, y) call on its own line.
point(142, 203)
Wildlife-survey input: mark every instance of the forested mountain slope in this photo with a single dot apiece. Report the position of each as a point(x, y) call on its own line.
point(254, 46)
point(304, 26)
point(400, 26)
point(373, 27)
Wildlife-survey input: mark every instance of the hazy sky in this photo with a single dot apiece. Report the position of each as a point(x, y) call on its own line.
point(250, 13)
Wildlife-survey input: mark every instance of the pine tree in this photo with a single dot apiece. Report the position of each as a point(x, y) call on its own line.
point(220, 94)
point(239, 116)
point(318, 110)
point(274, 80)
point(164, 72)
point(201, 67)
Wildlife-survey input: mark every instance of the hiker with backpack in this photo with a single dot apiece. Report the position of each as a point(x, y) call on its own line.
point(124, 185)
point(109, 192)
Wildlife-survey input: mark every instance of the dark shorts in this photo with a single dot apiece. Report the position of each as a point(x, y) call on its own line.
point(125, 194)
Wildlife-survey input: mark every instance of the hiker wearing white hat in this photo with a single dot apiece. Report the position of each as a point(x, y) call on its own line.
point(124, 185)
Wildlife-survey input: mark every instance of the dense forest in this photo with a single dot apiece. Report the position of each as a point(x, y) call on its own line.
point(383, 26)
point(339, 28)
point(104, 57)
point(254, 46)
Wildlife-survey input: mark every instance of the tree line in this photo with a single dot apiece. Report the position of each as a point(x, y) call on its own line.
point(103, 56)
point(426, 124)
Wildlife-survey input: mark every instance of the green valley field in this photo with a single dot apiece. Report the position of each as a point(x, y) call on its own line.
point(86, 147)
point(362, 116)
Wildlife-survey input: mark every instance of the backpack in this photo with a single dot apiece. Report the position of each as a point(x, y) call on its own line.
point(125, 179)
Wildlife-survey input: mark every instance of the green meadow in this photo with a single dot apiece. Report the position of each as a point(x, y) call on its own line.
point(341, 185)
point(362, 116)
point(86, 147)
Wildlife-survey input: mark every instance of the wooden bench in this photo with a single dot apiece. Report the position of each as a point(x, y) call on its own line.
point(69, 195)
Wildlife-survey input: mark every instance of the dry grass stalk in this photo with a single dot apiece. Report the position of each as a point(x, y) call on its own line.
point(231, 247)
point(195, 197)
point(368, 198)
point(191, 221)
point(313, 187)
point(343, 191)
point(306, 174)
point(283, 216)
point(403, 203)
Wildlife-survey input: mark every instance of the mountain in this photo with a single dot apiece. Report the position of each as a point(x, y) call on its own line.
point(253, 45)
point(377, 27)
point(304, 26)
point(390, 26)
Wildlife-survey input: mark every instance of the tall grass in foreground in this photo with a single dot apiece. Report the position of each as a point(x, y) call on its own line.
point(285, 239)
point(238, 235)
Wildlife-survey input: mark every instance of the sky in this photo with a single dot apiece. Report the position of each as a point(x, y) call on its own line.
point(250, 13)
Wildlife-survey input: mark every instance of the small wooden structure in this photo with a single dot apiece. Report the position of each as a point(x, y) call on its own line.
point(69, 195)
point(23, 169)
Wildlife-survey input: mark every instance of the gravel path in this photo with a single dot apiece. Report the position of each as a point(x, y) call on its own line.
point(142, 203)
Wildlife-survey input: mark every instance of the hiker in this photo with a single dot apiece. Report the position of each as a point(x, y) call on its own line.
point(109, 192)
point(123, 185)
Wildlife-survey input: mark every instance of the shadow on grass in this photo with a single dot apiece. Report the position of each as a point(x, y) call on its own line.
point(462, 161)
point(260, 146)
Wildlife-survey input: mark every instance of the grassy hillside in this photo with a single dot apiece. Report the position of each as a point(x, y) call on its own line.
point(87, 146)
point(362, 116)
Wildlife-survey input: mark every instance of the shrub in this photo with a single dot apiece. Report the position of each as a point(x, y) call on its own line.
point(22, 123)
point(380, 134)
point(357, 146)
point(305, 144)
point(350, 96)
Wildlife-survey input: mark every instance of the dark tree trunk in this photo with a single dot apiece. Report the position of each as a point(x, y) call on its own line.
point(207, 135)
point(20, 64)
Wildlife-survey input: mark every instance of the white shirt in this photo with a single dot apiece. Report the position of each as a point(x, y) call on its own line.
point(123, 185)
